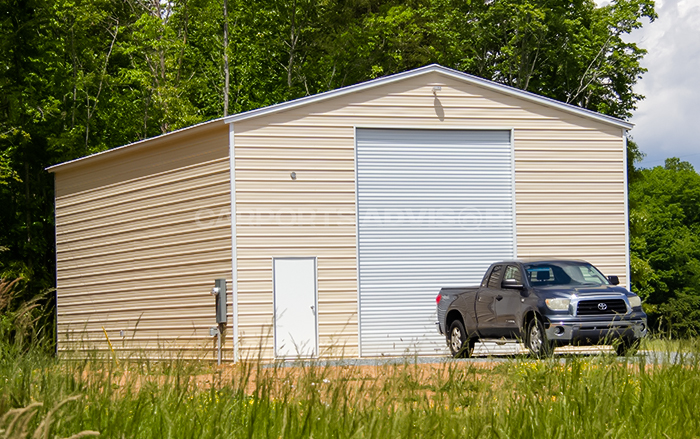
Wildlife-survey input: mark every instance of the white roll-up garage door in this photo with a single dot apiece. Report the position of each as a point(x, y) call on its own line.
point(435, 208)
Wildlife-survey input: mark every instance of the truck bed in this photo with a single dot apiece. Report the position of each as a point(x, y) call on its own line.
point(449, 294)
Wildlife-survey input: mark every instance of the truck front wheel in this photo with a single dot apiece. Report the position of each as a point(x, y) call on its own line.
point(536, 340)
point(460, 345)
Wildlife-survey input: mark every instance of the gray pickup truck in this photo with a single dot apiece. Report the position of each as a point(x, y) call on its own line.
point(544, 304)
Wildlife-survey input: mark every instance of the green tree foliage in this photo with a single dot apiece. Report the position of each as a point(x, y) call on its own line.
point(82, 76)
point(665, 244)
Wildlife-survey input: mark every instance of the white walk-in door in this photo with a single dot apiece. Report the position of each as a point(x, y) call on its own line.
point(435, 208)
point(295, 307)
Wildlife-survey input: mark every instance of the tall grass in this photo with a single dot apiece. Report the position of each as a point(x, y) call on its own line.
point(572, 397)
point(582, 397)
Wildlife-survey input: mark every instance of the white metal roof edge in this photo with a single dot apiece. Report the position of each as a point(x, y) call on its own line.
point(54, 168)
point(423, 70)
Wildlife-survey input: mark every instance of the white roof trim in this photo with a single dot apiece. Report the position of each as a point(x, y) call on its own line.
point(129, 145)
point(421, 71)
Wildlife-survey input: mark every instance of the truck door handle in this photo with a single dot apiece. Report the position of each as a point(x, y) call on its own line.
point(499, 297)
point(313, 309)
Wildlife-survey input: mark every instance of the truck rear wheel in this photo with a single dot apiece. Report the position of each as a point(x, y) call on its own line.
point(536, 340)
point(460, 345)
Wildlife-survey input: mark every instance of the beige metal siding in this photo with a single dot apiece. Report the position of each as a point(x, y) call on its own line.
point(141, 235)
point(569, 173)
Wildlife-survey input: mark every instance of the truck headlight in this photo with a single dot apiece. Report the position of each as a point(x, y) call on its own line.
point(558, 304)
point(635, 301)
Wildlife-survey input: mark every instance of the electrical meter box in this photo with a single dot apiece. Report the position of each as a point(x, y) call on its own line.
point(219, 292)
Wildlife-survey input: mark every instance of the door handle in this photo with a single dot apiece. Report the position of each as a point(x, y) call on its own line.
point(313, 309)
point(499, 297)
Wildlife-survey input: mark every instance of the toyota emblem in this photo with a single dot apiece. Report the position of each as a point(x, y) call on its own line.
point(602, 306)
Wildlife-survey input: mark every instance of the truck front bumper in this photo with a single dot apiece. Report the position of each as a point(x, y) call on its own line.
point(595, 331)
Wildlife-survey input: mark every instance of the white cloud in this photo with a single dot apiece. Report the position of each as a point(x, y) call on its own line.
point(668, 119)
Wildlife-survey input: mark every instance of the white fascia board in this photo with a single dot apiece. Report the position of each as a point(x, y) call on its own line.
point(55, 168)
point(430, 69)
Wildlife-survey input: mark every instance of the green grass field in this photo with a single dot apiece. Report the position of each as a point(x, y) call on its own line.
point(572, 397)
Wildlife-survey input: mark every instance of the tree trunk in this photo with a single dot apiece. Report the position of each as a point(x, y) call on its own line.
point(27, 203)
point(293, 37)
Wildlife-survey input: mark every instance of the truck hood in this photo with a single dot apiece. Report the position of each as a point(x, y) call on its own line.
point(580, 291)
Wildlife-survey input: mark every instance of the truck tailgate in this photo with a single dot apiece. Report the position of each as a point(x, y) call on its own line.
point(447, 296)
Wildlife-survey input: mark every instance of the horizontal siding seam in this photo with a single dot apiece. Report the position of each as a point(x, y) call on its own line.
point(293, 157)
point(568, 202)
point(145, 319)
point(564, 181)
point(135, 229)
point(295, 134)
point(287, 201)
point(154, 236)
point(572, 233)
point(147, 177)
point(127, 342)
point(148, 257)
point(320, 190)
point(96, 200)
point(145, 247)
point(572, 244)
point(285, 180)
point(139, 328)
point(565, 172)
point(566, 213)
point(145, 197)
point(138, 349)
point(140, 218)
point(287, 246)
point(571, 191)
point(298, 235)
point(92, 302)
point(578, 222)
point(319, 279)
point(139, 209)
point(564, 160)
point(62, 295)
point(96, 311)
point(146, 267)
point(135, 279)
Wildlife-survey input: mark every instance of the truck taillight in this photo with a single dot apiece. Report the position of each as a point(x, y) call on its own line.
point(438, 298)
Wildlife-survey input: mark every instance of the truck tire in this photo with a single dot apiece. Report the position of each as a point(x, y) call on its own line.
point(536, 340)
point(626, 346)
point(460, 345)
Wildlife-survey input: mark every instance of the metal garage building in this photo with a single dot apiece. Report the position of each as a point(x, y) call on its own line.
point(352, 208)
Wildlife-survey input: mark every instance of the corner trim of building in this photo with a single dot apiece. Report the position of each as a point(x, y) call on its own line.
point(55, 258)
point(234, 250)
point(513, 193)
point(357, 248)
point(627, 210)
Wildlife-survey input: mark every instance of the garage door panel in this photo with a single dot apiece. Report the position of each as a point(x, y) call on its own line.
point(435, 208)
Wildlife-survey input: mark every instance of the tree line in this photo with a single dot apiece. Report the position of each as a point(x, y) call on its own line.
point(82, 76)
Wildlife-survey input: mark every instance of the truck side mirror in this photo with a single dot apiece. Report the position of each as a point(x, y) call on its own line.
point(511, 284)
point(614, 280)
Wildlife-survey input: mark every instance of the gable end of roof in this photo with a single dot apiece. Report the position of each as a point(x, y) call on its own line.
point(528, 96)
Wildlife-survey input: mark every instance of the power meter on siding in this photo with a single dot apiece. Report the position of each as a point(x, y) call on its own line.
point(219, 292)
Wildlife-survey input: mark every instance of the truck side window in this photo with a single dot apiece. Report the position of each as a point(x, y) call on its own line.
point(513, 272)
point(495, 277)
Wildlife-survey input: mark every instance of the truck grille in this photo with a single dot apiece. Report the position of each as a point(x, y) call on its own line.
point(609, 306)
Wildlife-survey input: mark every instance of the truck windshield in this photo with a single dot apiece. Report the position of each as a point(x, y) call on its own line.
point(564, 273)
